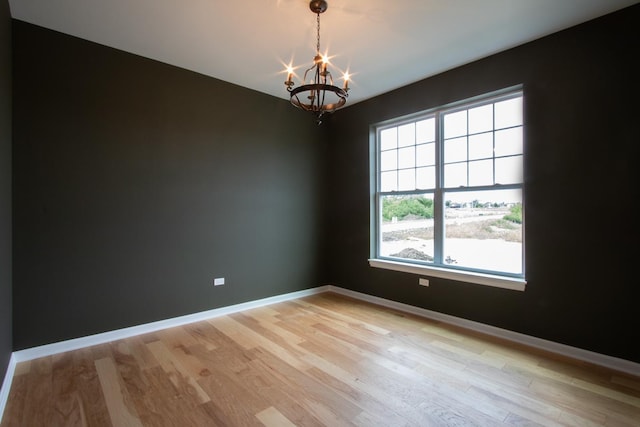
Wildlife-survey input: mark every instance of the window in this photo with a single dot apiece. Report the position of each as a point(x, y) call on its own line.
point(448, 192)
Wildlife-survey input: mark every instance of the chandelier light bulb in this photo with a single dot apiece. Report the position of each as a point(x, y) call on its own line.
point(289, 81)
point(345, 77)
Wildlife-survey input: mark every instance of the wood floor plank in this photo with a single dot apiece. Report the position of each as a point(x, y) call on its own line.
point(139, 350)
point(372, 412)
point(389, 319)
point(88, 388)
point(271, 332)
point(163, 405)
point(177, 373)
point(626, 381)
point(14, 409)
point(39, 396)
point(271, 417)
point(204, 333)
point(321, 360)
point(377, 391)
point(520, 409)
point(234, 401)
point(397, 367)
point(66, 408)
point(194, 366)
point(129, 367)
point(176, 337)
point(116, 399)
point(151, 398)
point(22, 368)
point(312, 396)
point(481, 357)
point(341, 318)
point(249, 339)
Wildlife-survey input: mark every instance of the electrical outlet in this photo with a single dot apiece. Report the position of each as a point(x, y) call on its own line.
point(218, 281)
point(423, 282)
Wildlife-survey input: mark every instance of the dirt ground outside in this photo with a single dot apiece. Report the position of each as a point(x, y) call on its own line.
point(476, 238)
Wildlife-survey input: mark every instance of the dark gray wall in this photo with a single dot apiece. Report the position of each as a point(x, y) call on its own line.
point(134, 186)
point(136, 183)
point(581, 128)
point(5, 188)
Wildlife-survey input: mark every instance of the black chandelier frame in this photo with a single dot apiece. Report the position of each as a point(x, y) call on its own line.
point(321, 96)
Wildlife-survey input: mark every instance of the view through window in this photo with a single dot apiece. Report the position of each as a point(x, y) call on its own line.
point(449, 187)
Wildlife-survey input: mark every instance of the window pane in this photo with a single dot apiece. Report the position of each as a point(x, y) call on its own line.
point(455, 124)
point(509, 170)
point(389, 160)
point(509, 141)
point(426, 130)
point(481, 172)
point(406, 135)
point(389, 181)
point(481, 146)
point(426, 154)
point(481, 119)
point(407, 157)
point(389, 138)
point(426, 178)
point(455, 150)
point(455, 175)
point(508, 113)
point(483, 230)
point(407, 179)
point(406, 226)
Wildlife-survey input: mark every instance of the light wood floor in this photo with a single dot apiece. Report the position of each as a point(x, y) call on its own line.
point(323, 360)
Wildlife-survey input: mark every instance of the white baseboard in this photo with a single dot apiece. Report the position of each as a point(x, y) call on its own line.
point(74, 344)
point(6, 384)
point(610, 362)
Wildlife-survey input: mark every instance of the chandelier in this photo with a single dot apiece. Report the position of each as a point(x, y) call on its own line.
point(319, 96)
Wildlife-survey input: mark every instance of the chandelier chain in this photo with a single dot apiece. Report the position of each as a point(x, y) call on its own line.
point(318, 33)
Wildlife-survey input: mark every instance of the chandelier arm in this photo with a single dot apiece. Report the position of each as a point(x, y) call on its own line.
point(324, 92)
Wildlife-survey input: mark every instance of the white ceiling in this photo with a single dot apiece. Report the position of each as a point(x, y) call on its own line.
point(385, 44)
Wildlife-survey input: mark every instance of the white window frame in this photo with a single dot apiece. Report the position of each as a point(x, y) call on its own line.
point(507, 281)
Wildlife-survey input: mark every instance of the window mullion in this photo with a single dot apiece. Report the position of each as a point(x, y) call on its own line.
point(438, 202)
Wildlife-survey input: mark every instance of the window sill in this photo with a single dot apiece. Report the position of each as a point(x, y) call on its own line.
point(470, 277)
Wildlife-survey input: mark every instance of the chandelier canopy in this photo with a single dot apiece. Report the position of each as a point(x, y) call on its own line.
point(319, 96)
